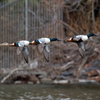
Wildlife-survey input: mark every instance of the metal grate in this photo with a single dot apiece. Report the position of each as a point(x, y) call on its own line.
point(27, 19)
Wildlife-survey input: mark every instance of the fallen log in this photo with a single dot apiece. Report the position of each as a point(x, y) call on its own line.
point(38, 72)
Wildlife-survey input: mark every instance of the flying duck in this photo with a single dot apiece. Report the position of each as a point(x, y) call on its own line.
point(43, 46)
point(79, 39)
point(22, 48)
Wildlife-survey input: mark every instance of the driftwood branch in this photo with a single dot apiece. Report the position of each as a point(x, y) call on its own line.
point(80, 67)
point(5, 78)
point(90, 49)
point(66, 66)
point(69, 27)
point(22, 69)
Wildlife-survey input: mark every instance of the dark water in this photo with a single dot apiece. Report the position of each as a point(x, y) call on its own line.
point(49, 92)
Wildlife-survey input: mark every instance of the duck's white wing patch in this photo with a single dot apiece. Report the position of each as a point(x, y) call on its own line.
point(47, 40)
point(46, 52)
point(76, 38)
point(44, 40)
point(80, 37)
point(23, 43)
point(85, 38)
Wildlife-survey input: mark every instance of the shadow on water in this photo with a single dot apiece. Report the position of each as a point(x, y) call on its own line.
point(50, 92)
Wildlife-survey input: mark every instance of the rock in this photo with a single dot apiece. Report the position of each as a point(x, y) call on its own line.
point(97, 78)
point(96, 64)
point(83, 74)
point(33, 79)
point(66, 73)
point(46, 81)
point(61, 77)
point(86, 81)
point(30, 82)
point(60, 82)
point(89, 73)
point(86, 70)
point(92, 73)
point(18, 82)
point(40, 76)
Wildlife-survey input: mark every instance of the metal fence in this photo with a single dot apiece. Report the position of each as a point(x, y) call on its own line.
point(27, 19)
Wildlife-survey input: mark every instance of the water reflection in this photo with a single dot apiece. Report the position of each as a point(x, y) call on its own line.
point(49, 92)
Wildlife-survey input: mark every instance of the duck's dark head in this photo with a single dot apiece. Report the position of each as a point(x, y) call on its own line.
point(54, 39)
point(91, 34)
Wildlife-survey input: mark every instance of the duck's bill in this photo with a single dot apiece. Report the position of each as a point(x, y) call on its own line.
point(59, 39)
point(96, 35)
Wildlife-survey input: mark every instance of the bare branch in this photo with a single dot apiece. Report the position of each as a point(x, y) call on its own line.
point(37, 17)
point(1, 7)
point(69, 27)
point(93, 19)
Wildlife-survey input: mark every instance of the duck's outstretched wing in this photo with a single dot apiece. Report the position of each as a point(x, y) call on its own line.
point(19, 50)
point(20, 47)
point(81, 52)
point(40, 47)
point(25, 53)
point(46, 52)
point(82, 48)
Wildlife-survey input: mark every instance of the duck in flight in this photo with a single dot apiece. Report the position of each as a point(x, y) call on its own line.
point(43, 46)
point(79, 39)
point(22, 47)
